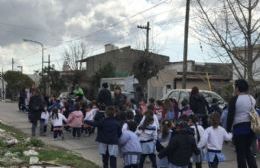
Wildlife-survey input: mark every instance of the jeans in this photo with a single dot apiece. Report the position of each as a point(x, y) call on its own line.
point(106, 158)
point(152, 157)
point(245, 157)
point(76, 132)
point(43, 127)
point(174, 166)
point(214, 164)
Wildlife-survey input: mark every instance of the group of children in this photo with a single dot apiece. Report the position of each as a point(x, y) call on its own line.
point(177, 139)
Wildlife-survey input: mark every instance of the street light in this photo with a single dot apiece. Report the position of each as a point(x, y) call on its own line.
point(39, 43)
point(21, 67)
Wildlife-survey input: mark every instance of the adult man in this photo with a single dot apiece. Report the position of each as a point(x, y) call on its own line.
point(119, 98)
point(104, 96)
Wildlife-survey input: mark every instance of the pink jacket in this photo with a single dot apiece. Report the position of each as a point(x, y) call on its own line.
point(75, 119)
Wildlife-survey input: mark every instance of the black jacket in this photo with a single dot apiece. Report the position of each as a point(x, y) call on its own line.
point(36, 106)
point(180, 149)
point(109, 130)
point(104, 97)
point(198, 104)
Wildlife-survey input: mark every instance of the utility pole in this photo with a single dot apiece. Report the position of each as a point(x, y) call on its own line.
point(12, 64)
point(48, 76)
point(3, 86)
point(147, 28)
point(21, 67)
point(185, 49)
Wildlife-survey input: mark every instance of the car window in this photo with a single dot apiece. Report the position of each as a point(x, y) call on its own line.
point(184, 95)
point(175, 95)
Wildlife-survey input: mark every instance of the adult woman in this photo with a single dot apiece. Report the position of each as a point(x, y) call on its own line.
point(239, 121)
point(199, 105)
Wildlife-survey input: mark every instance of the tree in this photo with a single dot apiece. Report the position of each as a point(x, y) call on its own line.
point(107, 71)
point(54, 79)
point(74, 53)
point(232, 32)
point(143, 69)
point(16, 81)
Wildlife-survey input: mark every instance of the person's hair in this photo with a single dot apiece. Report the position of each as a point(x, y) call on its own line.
point(54, 114)
point(110, 111)
point(194, 119)
point(166, 126)
point(194, 90)
point(150, 107)
point(159, 103)
point(151, 100)
point(129, 115)
point(215, 119)
point(94, 103)
point(167, 105)
point(132, 126)
point(184, 118)
point(147, 121)
point(241, 85)
point(148, 112)
point(105, 85)
point(117, 88)
point(77, 106)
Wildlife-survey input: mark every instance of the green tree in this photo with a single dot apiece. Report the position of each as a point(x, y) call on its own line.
point(16, 81)
point(107, 71)
point(53, 78)
point(144, 69)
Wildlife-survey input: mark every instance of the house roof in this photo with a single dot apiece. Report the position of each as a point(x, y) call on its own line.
point(118, 50)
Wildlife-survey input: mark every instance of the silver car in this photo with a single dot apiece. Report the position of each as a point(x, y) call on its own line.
point(180, 94)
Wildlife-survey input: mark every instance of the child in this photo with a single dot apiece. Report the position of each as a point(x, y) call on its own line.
point(57, 122)
point(147, 133)
point(163, 140)
point(90, 114)
point(180, 148)
point(109, 132)
point(159, 109)
point(186, 108)
point(44, 121)
point(130, 146)
point(75, 121)
point(129, 117)
point(198, 131)
point(213, 138)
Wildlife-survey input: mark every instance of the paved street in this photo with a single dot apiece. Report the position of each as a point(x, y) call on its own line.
point(86, 146)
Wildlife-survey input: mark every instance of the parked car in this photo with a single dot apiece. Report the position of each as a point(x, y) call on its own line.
point(180, 94)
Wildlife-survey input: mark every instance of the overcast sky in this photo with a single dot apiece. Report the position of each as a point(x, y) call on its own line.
point(61, 23)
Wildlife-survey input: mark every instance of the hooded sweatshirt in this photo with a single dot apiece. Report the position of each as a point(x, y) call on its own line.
point(75, 119)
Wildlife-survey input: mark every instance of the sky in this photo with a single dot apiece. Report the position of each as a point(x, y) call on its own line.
point(58, 24)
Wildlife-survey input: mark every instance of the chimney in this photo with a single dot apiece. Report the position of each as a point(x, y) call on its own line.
point(110, 47)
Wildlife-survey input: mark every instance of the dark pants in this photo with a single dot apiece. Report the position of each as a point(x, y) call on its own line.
point(131, 166)
point(152, 157)
point(34, 126)
point(245, 157)
point(106, 158)
point(198, 165)
point(214, 164)
point(76, 132)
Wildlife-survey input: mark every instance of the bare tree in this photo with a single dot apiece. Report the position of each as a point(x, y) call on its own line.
point(232, 31)
point(74, 53)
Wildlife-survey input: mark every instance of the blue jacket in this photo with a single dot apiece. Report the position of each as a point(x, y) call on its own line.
point(109, 130)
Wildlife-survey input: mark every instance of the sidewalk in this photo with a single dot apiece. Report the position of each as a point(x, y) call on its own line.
point(86, 146)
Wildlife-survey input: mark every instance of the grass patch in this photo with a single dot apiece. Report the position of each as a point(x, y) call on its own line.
point(65, 158)
point(47, 154)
